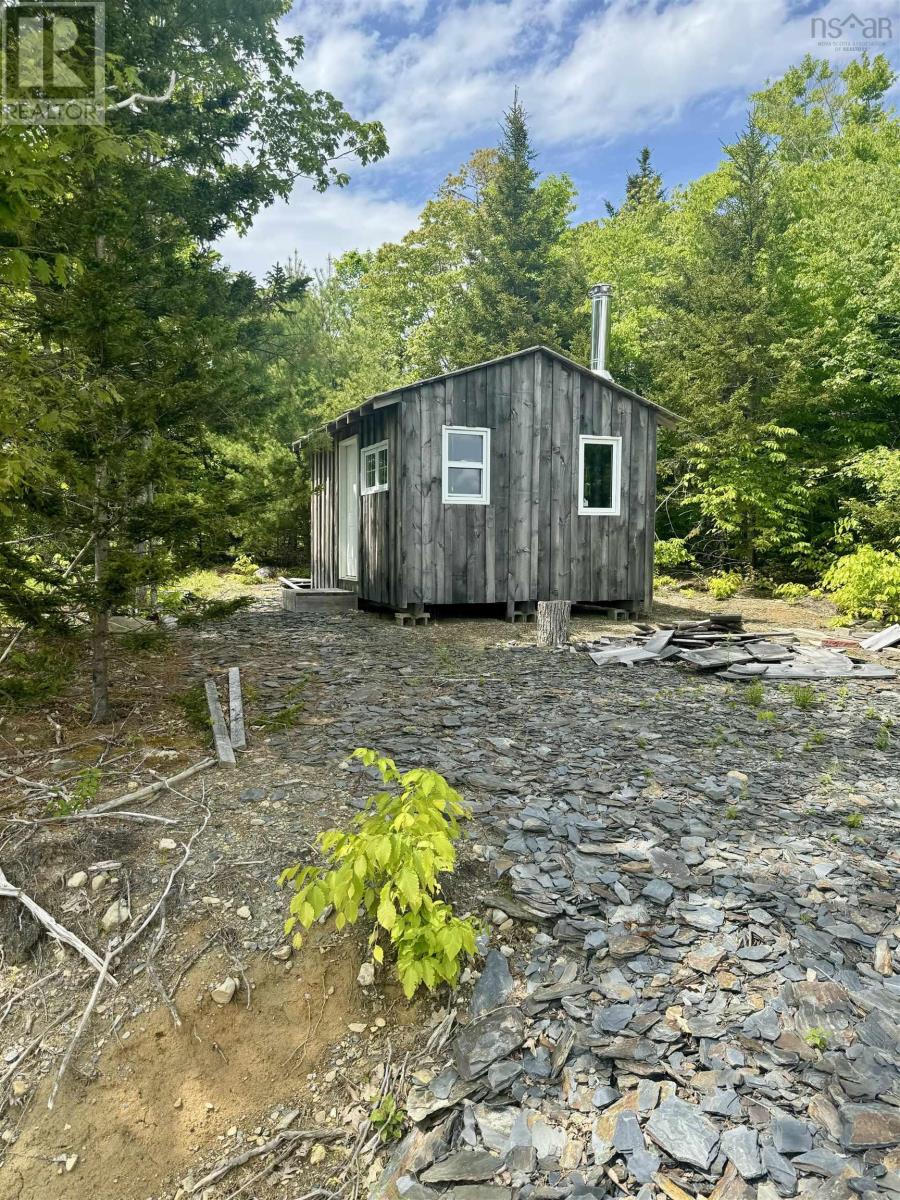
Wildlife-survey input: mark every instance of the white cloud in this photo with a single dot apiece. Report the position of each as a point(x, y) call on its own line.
point(439, 73)
point(584, 71)
point(318, 225)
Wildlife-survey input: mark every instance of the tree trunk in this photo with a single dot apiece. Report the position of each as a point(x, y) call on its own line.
point(553, 617)
point(100, 615)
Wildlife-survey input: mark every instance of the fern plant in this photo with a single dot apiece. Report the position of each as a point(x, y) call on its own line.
point(387, 865)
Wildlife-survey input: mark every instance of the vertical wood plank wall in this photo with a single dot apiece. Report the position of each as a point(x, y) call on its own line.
point(323, 519)
point(529, 543)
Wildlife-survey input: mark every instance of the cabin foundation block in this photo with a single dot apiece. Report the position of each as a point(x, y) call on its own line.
point(412, 618)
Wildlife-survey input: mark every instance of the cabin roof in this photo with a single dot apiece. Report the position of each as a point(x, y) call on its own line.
point(394, 395)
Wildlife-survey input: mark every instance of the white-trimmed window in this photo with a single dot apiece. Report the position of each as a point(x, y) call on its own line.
point(466, 465)
point(374, 469)
point(599, 476)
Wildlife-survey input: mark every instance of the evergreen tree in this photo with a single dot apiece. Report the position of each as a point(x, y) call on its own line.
point(717, 362)
point(643, 186)
point(517, 291)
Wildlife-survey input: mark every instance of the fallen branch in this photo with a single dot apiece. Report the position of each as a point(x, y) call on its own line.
point(150, 790)
point(33, 1045)
point(287, 1135)
point(51, 924)
point(85, 1017)
point(136, 933)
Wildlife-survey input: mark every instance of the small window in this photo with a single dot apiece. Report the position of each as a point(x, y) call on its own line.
point(375, 469)
point(599, 476)
point(467, 465)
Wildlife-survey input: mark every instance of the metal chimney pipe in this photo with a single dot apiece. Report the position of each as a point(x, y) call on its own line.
point(600, 295)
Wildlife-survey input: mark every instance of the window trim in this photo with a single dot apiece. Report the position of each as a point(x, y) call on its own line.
point(589, 439)
point(364, 453)
point(484, 497)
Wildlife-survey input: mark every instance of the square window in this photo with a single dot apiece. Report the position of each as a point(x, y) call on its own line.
point(375, 469)
point(467, 465)
point(599, 476)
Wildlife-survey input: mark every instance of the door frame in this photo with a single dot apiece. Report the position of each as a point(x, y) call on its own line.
point(348, 528)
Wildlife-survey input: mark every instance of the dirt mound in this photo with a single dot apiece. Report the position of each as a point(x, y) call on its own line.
point(163, 1098)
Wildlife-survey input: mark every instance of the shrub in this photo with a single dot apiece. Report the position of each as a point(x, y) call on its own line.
point(724, 586)
point(388, 864)
point(245, 568)
point(665, 581)
point(671, 552)
point(866, 583)
point(30, 678)
point(791, 592)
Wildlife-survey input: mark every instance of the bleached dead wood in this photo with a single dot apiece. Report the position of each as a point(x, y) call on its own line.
point(133, 102)
point(50, 923)
point(85, 1017)
point(151, 789)
point(236, 709)
point(287, 1135)
point(136, 933)
point(224, 748)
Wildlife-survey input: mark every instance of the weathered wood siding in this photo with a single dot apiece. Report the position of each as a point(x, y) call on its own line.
point(323, 522)
point(529, 543)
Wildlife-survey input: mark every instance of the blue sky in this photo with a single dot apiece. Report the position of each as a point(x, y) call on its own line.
point(599, 78)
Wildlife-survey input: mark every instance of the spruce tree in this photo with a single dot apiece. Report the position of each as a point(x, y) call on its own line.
point(516, 285)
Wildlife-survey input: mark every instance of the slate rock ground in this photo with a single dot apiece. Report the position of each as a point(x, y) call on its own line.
point(695, 950)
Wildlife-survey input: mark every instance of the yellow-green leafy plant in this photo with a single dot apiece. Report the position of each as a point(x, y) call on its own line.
point(388, 1118)
point(244, 567)
point(388, 865)
point(724, 586)
point(866, 583)
point(790, 592)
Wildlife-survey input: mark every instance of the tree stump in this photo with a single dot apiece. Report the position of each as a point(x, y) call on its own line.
point(553, 617)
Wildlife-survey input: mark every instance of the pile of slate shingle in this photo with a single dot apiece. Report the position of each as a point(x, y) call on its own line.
point(720, 644)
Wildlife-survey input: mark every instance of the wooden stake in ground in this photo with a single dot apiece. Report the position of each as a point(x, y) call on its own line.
point(236, 709)
point(553, 618)
point(224, 749)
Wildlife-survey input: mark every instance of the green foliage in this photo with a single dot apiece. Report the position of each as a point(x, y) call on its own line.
point(388, 866)
point(803, 695)
point(854, 820)
point(817, 1037)
point(83, 793)
point(755, 693)
point(388, 1118)
point(194, 707)
point(287, 717)
point(197, 611)
point(732, 812)
point(245, 568)
point(883, 737)
point(665, 581)
point(866, 583)
point(724, 586)
point(790, 592)
point(671, 552)
point(31, 677)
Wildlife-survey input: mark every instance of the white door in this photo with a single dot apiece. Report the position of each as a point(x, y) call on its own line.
point(348, 508)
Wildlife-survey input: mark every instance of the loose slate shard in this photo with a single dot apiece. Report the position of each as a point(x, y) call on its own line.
point(494, 985)
point(487, 1039)
point(741, 1146)
point(684, 1132)
point(474, 1165)
point(869, 1126)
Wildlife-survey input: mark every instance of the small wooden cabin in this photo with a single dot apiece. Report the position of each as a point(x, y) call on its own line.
point(526, 478)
